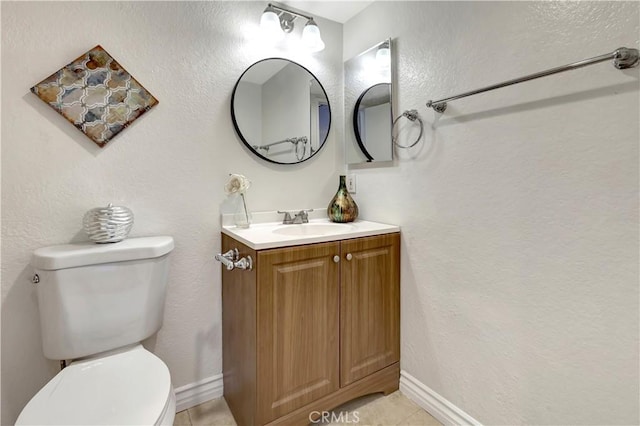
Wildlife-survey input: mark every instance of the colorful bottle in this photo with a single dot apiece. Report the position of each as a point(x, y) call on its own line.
point(342, 208)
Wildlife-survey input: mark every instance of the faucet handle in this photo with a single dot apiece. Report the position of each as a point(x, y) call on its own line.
point(287, 217)
point(304, 215)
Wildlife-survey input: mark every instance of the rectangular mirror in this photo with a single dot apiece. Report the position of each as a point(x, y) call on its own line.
point(368, 105)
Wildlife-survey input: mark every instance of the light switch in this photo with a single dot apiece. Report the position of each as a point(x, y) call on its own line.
point(351, 184)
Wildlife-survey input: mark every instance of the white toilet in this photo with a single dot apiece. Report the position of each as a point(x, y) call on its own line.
point(97, 303)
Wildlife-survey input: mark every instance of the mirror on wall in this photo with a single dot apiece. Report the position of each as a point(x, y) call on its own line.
point(368, 103)
point(280, 111)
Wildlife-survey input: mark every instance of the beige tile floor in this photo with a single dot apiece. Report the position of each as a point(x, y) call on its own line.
point(376, 409)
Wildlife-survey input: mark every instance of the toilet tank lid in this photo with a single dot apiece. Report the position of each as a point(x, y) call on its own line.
point(90, 253)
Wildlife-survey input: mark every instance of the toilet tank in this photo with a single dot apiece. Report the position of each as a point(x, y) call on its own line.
point(97, 297)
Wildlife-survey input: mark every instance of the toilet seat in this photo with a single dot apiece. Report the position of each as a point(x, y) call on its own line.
point(130, 387)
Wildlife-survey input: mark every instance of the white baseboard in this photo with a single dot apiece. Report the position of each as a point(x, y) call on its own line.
point(190, 395)
point(447, 413)
point(438, 406)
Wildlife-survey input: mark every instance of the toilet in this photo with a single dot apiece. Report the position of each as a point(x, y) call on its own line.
point(97, 303)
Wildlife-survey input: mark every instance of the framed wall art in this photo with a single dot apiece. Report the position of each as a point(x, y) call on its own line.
point(96, 94)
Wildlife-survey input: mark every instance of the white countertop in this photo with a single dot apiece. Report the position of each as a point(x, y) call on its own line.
point(266, 235)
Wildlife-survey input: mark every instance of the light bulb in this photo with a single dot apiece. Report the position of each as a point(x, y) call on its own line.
point(383, 57)
point(270, 25)
point(311, 37)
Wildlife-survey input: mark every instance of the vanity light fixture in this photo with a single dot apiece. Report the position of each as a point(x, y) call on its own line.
point(270, 24)
point(311, 36)
point(276, 21)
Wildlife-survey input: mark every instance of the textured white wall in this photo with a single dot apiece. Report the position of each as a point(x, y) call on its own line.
point(519, 210)
point(169, 167)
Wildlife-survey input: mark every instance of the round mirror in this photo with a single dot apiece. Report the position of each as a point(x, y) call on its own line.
point(372, 120)
point(280, 111)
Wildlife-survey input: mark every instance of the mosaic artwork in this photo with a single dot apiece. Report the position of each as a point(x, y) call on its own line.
point(96, 95)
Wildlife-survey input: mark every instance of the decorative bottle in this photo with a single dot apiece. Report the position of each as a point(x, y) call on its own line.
point(342, 208)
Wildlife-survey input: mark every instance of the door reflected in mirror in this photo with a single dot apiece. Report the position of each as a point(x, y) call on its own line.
point(280, 111)
point(368, 98)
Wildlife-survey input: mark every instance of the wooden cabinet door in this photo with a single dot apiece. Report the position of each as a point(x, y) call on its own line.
point(298, 325)
point(370, 306)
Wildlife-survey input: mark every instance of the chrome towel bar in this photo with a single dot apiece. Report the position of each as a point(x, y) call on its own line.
point(294, 141)
point(622, 58)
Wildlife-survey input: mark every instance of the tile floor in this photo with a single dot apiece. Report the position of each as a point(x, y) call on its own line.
point(376, 409)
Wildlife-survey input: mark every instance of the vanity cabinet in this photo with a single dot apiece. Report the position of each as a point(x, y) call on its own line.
point(369, 306)
point(310, 327)
point(298, 324)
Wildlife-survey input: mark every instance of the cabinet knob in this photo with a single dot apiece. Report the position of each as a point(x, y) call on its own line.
point(336, 258)
point(349, 256)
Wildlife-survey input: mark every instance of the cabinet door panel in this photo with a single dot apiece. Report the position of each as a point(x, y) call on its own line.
point(298, 325)
point(370, 306)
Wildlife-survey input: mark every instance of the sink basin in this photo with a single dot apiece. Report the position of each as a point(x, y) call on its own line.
point(313, 229)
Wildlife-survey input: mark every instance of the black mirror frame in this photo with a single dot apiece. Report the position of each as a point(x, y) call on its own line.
point(237, 128)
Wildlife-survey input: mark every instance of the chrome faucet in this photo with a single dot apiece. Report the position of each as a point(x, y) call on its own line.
point(301, 217)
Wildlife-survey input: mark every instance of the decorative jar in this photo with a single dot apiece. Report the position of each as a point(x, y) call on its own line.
point(108, 224)
point(342, 208)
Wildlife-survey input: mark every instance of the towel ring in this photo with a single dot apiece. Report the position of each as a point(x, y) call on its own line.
point(411, 115)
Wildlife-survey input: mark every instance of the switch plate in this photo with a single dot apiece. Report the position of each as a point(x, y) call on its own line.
point(351, 183)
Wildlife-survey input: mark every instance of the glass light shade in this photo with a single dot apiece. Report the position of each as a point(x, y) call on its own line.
point(311, 37)
point(383, 57)
point(270, 26)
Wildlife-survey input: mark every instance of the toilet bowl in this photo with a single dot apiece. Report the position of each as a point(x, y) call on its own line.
point(129, 387)
point(97, 302)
